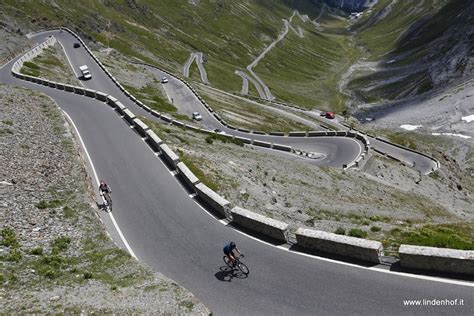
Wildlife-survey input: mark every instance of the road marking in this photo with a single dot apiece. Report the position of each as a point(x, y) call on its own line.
point(119, 231)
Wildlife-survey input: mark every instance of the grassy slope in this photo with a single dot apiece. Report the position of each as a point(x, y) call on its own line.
point(306, 70)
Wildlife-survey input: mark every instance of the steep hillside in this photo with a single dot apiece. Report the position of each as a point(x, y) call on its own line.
point(318, 56)
point(412, 49)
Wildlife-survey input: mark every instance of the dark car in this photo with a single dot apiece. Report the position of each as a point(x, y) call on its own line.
point(76, 45)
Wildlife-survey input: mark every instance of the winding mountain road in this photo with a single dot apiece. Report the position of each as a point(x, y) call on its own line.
point(171, 232)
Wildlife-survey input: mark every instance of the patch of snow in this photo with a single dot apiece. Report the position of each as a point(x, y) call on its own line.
point(452, 134)
point(410, 127)
point(468, 118)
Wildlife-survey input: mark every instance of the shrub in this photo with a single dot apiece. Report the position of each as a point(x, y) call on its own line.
point(15, 255)
point(31, 65)
point(37, 251)
point(9, 238)
point(356, 232)
point(340, 231)
point(209, 139)
point(51, 204)
point(60, 244)
point(87, 275)
point(375, 229)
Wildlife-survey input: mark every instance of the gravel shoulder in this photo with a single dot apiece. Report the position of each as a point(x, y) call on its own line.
point(55, 255)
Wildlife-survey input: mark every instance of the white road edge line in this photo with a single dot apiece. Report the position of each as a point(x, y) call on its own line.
point(119, 231)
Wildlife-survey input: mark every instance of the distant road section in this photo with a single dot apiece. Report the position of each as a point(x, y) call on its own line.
point(199, 57)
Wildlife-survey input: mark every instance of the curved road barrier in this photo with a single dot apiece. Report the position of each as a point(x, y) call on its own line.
point(187, 175)
point(168, 155)
point(352, 247)
point(437, 259)
point(260, 224)
point(214, 200)
point(141, 127)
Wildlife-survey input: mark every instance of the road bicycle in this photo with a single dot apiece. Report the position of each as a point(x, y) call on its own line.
point(108, 201)
point(237, 263)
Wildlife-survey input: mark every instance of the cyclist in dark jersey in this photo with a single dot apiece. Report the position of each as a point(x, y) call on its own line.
point(229, 251)
point(104, 188)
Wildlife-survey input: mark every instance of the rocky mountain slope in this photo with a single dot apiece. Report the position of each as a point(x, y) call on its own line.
point(412, 49)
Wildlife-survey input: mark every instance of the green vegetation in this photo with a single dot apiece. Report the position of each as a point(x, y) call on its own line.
point(356, 232)
point(375, 229)
point(453, 236)
point(9, 238)
point(198, 172)
point(248, 115)
point(49, 204)
point(150, 96)
point(30, 69)
point(340, 231)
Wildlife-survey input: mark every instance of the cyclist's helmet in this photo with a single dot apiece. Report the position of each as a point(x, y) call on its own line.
point(102, 182)
point(232, 244)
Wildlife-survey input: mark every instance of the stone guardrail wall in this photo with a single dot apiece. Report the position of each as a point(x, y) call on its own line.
point(362, 249)
point(352, 247)
point(438, 165)
point(437, 259)
point(260, 224)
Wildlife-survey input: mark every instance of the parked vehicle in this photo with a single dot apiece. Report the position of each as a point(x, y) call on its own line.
point(197, 116)
point(330, 115)
point(77, 45)
point(86, 75)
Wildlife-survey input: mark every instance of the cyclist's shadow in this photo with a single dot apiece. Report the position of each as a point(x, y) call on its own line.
point(226, 273)
point(103, 207)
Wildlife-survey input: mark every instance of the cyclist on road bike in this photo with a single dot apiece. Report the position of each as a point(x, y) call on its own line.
point(229, 251)
point(104, 188)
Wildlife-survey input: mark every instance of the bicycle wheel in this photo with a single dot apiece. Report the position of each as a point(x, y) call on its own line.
point(227, 262)
point(109, 201)
point(243, 268)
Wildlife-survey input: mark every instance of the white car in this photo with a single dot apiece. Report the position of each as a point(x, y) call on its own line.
point(86, 75)
point(197, 116)
point(164, 80)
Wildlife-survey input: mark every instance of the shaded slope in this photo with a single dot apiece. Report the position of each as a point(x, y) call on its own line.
point(417, 48)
